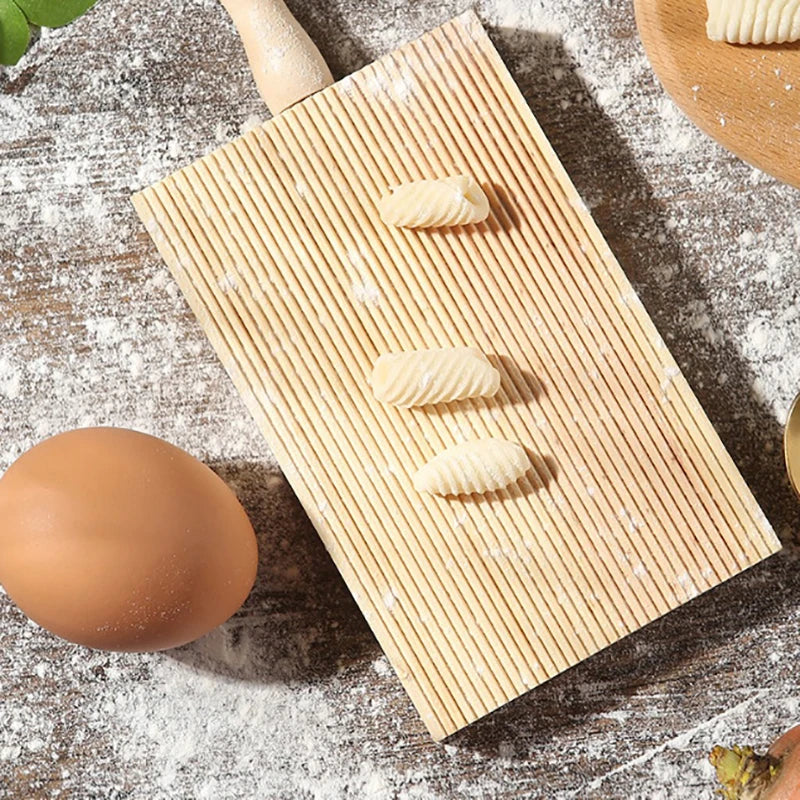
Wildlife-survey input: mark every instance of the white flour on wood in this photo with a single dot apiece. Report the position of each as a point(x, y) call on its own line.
point(291, 698)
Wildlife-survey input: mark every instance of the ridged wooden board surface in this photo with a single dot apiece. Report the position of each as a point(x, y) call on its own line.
point(632, 507)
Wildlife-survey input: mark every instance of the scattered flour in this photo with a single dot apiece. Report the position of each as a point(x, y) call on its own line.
point(390, 599)
point(291, 698)
point(366, 292)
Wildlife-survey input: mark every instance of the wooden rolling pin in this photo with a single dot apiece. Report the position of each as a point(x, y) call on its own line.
point(286, 64)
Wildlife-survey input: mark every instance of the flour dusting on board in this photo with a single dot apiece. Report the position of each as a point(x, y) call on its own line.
point(366, 292)
point(292, 699)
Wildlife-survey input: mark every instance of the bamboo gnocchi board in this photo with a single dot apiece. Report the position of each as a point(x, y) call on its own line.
point(747, 97)
point(632, 505)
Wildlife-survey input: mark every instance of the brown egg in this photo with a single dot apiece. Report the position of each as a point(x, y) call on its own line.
point(120, 541)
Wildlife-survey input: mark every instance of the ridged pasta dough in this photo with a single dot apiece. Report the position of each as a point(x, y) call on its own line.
point(473, 467)
point(457, 200)
point(754, 21)
point(420, 377)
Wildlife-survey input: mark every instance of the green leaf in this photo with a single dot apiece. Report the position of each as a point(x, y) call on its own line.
point(53, 13)
point(14, 33)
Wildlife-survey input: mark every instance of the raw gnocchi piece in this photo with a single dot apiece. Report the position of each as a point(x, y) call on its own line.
point(473, 467)
point(457, 200)
point(419, 377)
point(753, 21)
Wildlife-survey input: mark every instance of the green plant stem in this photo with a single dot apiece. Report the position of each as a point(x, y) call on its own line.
point(744, 775)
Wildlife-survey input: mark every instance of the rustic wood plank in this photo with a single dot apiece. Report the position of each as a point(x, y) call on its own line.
point(91, 332)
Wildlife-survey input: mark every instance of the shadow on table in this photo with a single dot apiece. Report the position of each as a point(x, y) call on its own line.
point(684, 647)
point(300, 622)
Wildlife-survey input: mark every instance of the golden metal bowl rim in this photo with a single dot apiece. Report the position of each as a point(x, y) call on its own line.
point(794, 410)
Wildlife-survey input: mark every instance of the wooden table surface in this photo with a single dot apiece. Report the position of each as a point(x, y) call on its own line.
point(292, 698)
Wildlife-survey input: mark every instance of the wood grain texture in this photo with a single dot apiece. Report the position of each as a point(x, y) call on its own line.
point(292, 699)
point(744, 96)
point(633, 507)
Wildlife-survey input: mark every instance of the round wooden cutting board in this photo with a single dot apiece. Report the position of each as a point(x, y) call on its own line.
point(747, 97)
